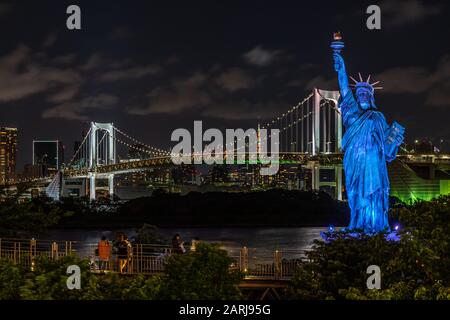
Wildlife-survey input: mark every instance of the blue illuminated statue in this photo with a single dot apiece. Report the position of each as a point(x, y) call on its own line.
point(368, 144)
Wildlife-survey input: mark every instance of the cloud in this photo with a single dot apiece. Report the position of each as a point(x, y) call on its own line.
point(24, 73)
point(322, 83)
point(21, 77)
point(49, 40)
point(193, 81)
point(129, 73)
point(67, 59)
point(261, 57)
point(244, 109)
point(235, 79)
point(183, 93)
point(64, 94)
point(172, 102)
point(400, 13)
point(407, 80)
point(93, 62)
point(77, 110)
point(440, 95)
point(197, 92)
point(434, 83)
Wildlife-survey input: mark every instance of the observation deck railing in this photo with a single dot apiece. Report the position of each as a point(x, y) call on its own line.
point(150, 258)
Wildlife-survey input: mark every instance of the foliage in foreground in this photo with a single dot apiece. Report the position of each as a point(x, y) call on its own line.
point(416, 267)
point(202, 274)
point(34, 216)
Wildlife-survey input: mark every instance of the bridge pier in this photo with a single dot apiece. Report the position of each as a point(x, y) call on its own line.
point(107, 154)
point(91, 177)
point(111, 186)
point(318, 181)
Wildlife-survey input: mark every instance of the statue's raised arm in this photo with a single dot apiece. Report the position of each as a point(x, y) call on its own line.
point(347, 102)
point(339, 67)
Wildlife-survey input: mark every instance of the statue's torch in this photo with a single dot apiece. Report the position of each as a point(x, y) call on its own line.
point(337, 45)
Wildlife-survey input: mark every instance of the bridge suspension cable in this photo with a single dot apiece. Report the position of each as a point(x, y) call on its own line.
point(82, 146)
point(154, 149)
point(285, 128)
point(276, 120)
point(152, 153)
point(300, 104)
point(296, 133)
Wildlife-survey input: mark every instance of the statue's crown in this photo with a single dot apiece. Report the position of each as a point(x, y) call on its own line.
point(366, 85)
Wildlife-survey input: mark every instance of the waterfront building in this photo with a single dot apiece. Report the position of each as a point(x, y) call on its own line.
point(49, 154)
point(8, 152)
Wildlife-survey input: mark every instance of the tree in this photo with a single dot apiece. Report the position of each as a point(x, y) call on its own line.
point(49, 280)
point(148, 234)
point(10, 280)
point(416, 267)
point(201, 275)
point(33, 216)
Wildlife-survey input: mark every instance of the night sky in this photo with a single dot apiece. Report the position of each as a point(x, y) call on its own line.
point(151, 67)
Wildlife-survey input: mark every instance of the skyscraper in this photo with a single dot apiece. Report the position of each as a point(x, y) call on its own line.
point(49, 154)
point(8, 149)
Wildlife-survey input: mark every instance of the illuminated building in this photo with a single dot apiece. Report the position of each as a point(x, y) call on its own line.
point(160, 176)
point(218, 174)
point(185, 174)
point(420, 176)
point(49, 154)
point(33, 171)
point(74, 188)
point(8, 150)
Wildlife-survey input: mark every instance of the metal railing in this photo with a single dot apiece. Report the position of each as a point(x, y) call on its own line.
point(148, 258)
point(261, 264)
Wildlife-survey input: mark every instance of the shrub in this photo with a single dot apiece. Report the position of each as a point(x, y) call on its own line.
point(202, 274)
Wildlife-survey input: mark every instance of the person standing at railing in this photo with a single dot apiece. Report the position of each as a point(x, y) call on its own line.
point(177, 244)
point(124, 252)
point(104, 253)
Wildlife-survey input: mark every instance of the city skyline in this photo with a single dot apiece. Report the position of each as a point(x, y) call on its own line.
point(216, 156)
point(151, 69)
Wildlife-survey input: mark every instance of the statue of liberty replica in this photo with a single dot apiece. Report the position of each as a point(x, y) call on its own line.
point(368, 144)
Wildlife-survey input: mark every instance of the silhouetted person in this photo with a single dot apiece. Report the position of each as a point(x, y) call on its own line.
point(104, 253)
point(177, 244)
point(124, 251)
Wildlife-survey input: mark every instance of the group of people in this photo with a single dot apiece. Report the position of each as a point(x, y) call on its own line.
point(178, 244)
point(122, 250)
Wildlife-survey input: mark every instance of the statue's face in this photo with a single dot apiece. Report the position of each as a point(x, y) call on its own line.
point(364, 98)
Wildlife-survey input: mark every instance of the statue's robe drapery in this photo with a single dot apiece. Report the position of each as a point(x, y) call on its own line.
point(366, 176)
